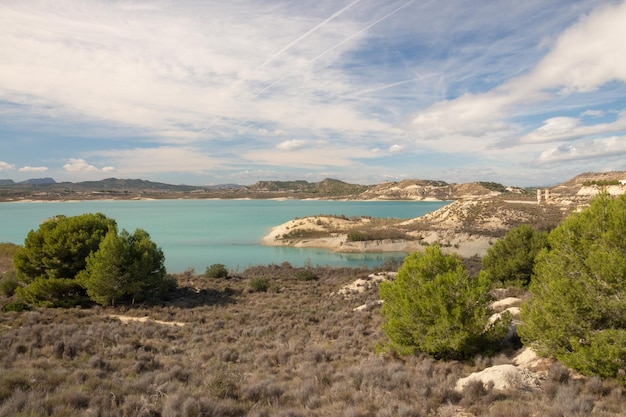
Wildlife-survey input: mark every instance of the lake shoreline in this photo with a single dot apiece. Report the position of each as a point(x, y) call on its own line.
point(195, 233)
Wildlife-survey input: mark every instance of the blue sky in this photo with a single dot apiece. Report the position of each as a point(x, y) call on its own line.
point(366, 91)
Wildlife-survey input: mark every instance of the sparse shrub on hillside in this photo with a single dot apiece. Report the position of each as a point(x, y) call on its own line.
point(295, 352)
point(304, 234)
point(510, 261)
point(7, 251)
point(217, 271)
point(15, 306)
point(259, 284)
point(371, 232)
point(493, 186)
point(8, 283)
point(434, 307)
point(306, 275)
point(601, 183)
point(577, 312)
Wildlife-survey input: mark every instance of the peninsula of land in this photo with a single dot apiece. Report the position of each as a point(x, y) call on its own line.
point(475, 219)
point(479, 212)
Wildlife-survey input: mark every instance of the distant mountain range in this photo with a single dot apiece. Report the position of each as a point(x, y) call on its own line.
point(49, 189)
point(33, 181)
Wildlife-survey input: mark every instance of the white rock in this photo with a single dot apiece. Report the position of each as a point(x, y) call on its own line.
point(505, 303)
point(528, 359)
point(503, 377)
point(515, 313)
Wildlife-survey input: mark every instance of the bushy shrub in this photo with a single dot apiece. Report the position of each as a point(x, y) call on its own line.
point(434, 307)
point(53, 292)
point(7, 251)
point(510, 260)
point(60, 246)
point(259, 284)
point(216, 271)
point(577, 311)
point(8, 284)
point(366, 233)
point(306, 275)
point(15, 306)
point(125, 266)
point(68, 258)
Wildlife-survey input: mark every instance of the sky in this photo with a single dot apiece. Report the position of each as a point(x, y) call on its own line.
point(204, 92)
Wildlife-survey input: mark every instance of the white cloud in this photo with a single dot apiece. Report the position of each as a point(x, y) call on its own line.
point(585, 57)
point(310, 157)
point(33, 169)
point(290, 145)
point(5, 166)
point(165, 159)
point(552, 129)
point(614, 146)
point(203, 83)
point(77, 61)
point(79, 165)
point(592, 113)
point(569, 128)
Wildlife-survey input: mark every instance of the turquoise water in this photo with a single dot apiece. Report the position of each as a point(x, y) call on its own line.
point(198, 233)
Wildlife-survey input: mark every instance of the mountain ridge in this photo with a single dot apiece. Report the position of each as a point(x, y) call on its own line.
point(329, 188)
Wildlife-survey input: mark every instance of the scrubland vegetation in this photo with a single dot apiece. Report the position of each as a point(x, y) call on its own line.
point(294, 350)
point(282, 341)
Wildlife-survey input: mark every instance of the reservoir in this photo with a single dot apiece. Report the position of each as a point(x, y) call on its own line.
point(199, 233)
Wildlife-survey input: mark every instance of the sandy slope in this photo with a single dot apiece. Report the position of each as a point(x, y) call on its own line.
point(464, 244)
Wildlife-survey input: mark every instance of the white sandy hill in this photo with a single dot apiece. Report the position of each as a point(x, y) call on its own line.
point(444, 226)
point(331, 233)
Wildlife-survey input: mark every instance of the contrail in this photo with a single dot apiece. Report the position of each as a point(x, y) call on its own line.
point(285, 49)
point(366, 28)
point(306, 34)
point(384, 87)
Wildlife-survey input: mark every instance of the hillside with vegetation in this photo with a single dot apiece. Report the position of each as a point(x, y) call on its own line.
point(532, 327)
point(410, 189)
point(479, 213)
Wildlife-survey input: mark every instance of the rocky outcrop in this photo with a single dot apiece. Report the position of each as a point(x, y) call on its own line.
point(467, 227)
point(502, 377)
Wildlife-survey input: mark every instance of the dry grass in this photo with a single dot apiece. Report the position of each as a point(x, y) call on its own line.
point(291, 351)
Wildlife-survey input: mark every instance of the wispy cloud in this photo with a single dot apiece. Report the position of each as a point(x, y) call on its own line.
point(201, 90)
point(614, 146)
point(33, 169)
point(558, 129)
point(581, 60)
point(163, 159)
point(5, 166)
point(79, 165)
point(290, 145)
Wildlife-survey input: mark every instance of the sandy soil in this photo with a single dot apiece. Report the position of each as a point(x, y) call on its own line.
point(126, 319)
point(464, 244)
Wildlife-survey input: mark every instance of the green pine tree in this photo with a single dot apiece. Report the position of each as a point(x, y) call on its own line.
point(126, 267)
point(577, 312)
point(510, 260)
point(433, 306)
